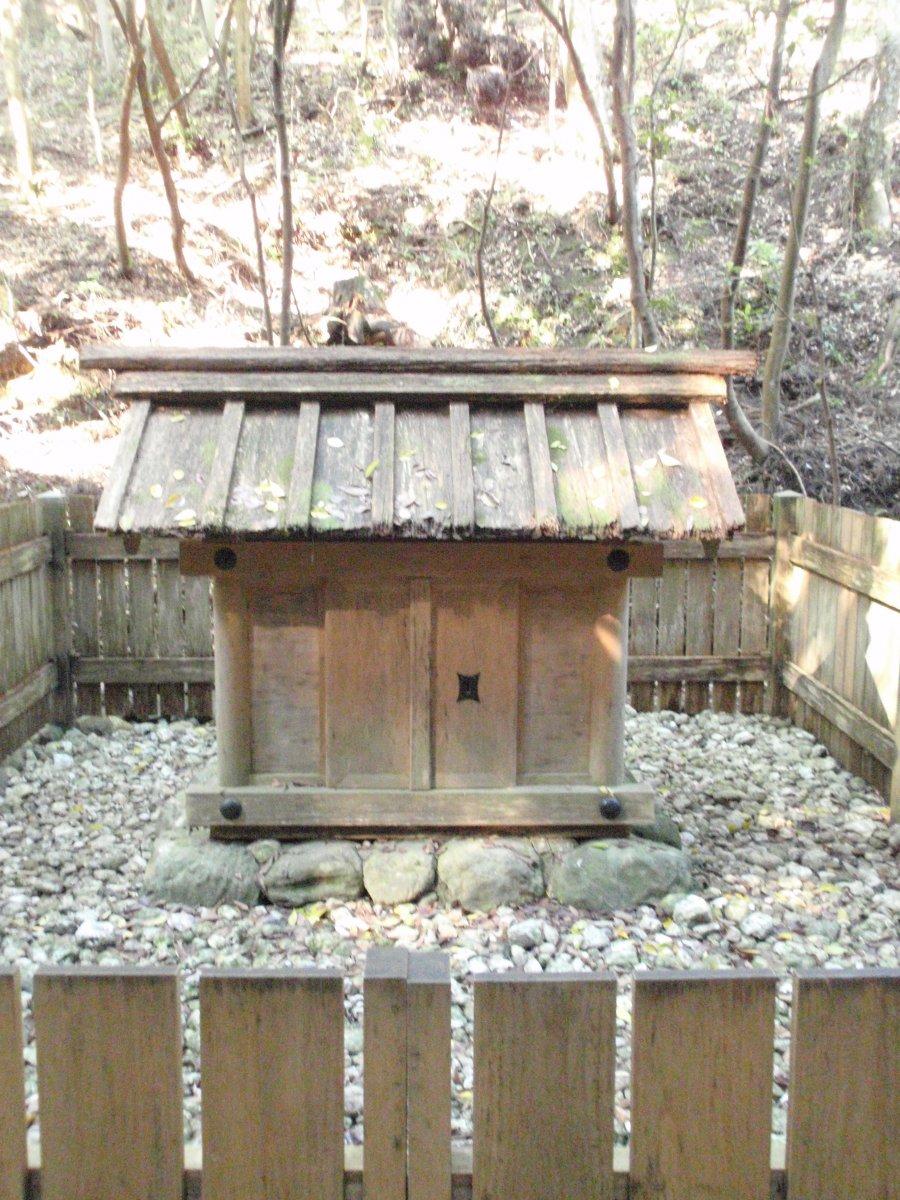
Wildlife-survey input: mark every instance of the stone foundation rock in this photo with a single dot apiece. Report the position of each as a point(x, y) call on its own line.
point(478, 873)
point(620, 873)
point(313, 871)
point(191, 869)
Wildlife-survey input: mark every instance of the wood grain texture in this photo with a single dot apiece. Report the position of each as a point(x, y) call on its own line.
point(383, 470)
point(702, 1085)
point(299, 495)
point(384, 1080)
point(218, 484)
point(461, 468)
point(543, 1120)
point(109, 1078)
point(367, 694)
point(420, 664)
point(357, 358)
point(844, 1101)
point(234, 682)
point(108, 510)
point(273, 1084)
point(476, 633)
point(365, 810)
point(347, 386)
point(286, 683)
point(13, 1160)
point(428, 1076)
point(545, 517)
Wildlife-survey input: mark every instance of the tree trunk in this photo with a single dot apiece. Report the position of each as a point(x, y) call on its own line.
point(784, 307)
point(173, 88)
point(755, 446)
point(10, 37)
point(101, 11)
point(242, 62)
point(622, 73)
point(132, 32)
point(872, 185)
point(281, 20)
point(123, 168)
point(561, 25)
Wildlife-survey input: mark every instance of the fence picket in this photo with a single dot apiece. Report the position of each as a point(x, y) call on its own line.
point(702, 1085)
point(109, 1076)
point(428, 1077)
point(272, 1047)
point(844, 1099)
point(544, 1086)
point(85, 610)
point(13, 1164)
point(384, 1065)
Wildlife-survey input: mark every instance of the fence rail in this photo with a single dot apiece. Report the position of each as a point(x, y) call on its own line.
point(797, 616)
point(110, 1085)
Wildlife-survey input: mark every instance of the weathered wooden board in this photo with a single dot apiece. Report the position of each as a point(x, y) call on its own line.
point(844, 1108)
point(543, 1120)
point(384, 1079)
point(13, 1162)
point(702, 1085)
point(286, 684)
point(428, 1076)
point(109, 1077)
point(556, 658)
point(475, 640)
point(359, 812)
point(357, 358)
point(273, 1084)
point(367, 693)
point(264, 386)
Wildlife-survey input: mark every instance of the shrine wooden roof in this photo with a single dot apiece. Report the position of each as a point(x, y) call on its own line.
point(359, 443)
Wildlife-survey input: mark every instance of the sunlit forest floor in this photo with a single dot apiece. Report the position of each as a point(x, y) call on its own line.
point(390, 176)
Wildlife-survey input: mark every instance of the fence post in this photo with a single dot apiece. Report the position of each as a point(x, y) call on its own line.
point(784, 505)
point(52, 519)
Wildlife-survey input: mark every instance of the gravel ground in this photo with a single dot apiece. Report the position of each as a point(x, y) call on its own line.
point(794, 866)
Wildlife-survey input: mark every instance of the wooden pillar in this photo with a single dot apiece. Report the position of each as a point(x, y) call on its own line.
point(610, 681)
point(234, 728)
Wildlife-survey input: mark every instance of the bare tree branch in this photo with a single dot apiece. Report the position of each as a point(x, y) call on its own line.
point(560, 24)
point(622, 73)
point(784, 308)
point(281, 20)
point(756, 447)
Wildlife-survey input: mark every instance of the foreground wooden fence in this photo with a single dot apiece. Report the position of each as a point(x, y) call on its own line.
point(110, 1087)
point(799, 615)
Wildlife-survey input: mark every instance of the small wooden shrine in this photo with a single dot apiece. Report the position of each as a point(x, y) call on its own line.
point(420, 565)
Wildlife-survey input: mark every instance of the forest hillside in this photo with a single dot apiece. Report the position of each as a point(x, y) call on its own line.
point(457, 171)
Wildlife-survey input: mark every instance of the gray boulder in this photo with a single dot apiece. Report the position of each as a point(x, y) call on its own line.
point(662, 829)
point(314, 871)
point(396, 873)
point(617, 873)
point(190, 868)
point(91, 723)
point(481, 874)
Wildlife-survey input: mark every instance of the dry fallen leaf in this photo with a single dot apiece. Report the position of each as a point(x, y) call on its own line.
point(156, 490)
point(178, 473)
point(698, 502)
point(334, 442)
point(186, 517)
point(667, 460)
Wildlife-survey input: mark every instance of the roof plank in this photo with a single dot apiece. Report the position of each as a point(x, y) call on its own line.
point(715, 464)
point(560, 361)
point(463, 481)
point(299, 493)
point(545, 516)
point(618, 467)
point(271, 387)
point(424, 485)
point(381, 469)
point(218, 485)
point(110, 504)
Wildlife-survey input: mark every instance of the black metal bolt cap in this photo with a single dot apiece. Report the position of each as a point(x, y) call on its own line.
point(611, 807)
point(231, 809)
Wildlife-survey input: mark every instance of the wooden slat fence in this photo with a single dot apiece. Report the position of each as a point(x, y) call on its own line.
point(27, 667)
point(799, 615)
point(272, 1077)
point(836, 634)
